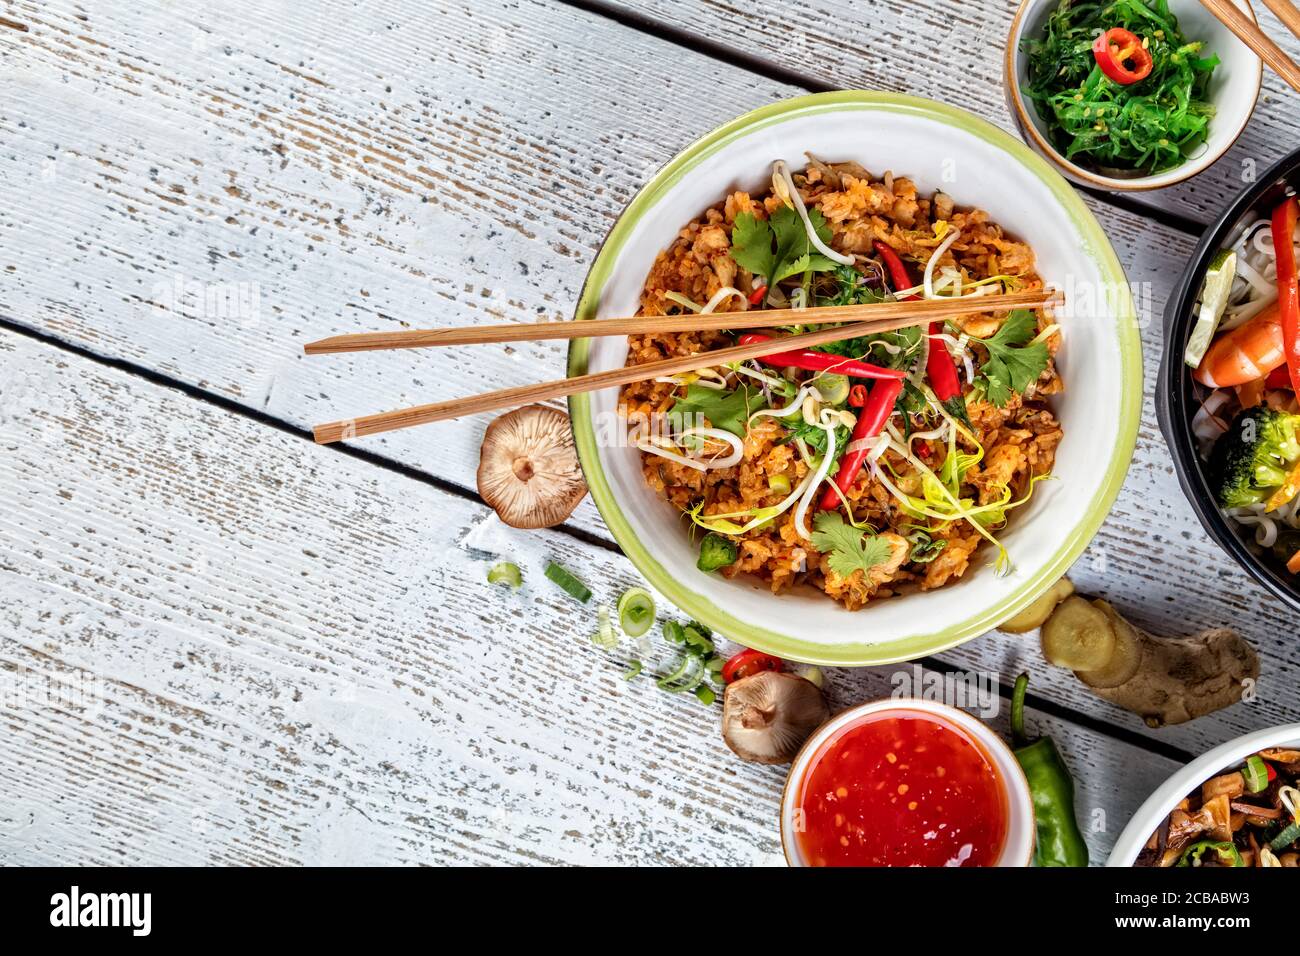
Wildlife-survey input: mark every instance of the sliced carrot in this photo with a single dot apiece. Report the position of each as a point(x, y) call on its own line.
point(1290, 488)
point(1294, 564)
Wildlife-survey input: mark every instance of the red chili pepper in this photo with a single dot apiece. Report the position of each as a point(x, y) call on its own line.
point(1272, 774)
point(1280, 377)
point(756, 296)
point(812, 361)
point(869, 424)
point(1288, 285)
point(939, 365)
point(1115, 49)
point(857, 396)
point(747, 663)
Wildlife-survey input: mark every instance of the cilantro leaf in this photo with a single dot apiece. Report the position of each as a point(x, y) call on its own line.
point(1013, 364)
point(848, 548)
point(753, 239)
point(751, 244)
point(728, 410)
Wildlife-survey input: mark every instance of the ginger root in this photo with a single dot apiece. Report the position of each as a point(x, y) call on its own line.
point(1038, 612)
point(1164, 680)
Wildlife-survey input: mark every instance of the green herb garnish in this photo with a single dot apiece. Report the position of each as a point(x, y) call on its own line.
point(778, 247)
point(1147, 126)
point(1013, 364)
point(725, 409)
point(848, 549)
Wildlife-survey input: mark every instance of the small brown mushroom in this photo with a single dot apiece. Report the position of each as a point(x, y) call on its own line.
point(528, 469)
point(767, 716)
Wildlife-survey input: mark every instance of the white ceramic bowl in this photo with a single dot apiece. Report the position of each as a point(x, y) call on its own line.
point(1188, 780)
point(1019, 847)
point(1234, 89)
point(979, 165)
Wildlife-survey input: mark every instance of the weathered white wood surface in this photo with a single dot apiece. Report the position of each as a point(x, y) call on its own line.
point(950, 50)
point(454, 162)
point(265, 652)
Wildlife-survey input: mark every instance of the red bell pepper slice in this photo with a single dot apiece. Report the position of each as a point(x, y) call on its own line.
point(1280, 377)
point(1115, 49)
point(1288, 285)
point(880, 404)
point(939, 365)
point(812, 361)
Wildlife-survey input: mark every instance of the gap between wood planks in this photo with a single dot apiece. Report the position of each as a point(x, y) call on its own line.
point(644, 23)
point(1041, 704)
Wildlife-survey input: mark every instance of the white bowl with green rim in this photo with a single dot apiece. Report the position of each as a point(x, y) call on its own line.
point(939, 147)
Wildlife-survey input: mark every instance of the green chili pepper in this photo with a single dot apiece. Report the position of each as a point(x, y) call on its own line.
point(1227, 853)
point(1059, 843)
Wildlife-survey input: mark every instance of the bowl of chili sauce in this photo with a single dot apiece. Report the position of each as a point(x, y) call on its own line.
point(906, 783)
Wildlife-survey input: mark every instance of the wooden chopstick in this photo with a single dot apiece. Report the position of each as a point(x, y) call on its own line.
point(526, 394)
point(1285, 11)
point(932, 309)
point(1231, 16)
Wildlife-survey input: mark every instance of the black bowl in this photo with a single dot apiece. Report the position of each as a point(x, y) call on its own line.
point(1176, 402)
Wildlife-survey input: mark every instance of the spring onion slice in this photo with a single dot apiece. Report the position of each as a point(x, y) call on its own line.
point(1256, 773)
point(636, 612)
point(567, 582)
point(604, 636)
point(506, 573)
point(686, 676)
point(706, 695)
point(633, 670)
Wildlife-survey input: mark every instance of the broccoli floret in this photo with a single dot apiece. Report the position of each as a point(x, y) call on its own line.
point(1254, 456)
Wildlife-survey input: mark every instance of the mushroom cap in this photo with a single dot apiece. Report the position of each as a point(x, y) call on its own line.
point(528, 469)
point(767, 716)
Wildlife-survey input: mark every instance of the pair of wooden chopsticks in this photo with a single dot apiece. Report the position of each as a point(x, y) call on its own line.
point(866, 320)
point(1232, 17)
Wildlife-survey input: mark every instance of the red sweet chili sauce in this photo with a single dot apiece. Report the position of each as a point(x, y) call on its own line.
point(901, 788)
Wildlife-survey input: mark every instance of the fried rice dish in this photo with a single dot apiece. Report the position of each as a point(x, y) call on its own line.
point(869, 466)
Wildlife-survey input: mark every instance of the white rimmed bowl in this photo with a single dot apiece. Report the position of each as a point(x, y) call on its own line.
point(1152, 813)
point(1018, 850)
point(979, 165)
point(1233, 89)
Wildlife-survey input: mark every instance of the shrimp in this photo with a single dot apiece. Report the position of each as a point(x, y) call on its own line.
point(1246, 353)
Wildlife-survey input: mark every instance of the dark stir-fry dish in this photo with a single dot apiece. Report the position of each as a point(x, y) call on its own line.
point(1246, 817)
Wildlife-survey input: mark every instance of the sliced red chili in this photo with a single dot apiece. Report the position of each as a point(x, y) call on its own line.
point(756, 296)
point(880, 405)
point(747, 663)
point(1122, 57)
point(857, 396)
point(813, 361)
point(1285, 217)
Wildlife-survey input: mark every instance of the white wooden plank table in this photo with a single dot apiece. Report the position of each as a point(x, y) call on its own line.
point(286, 653)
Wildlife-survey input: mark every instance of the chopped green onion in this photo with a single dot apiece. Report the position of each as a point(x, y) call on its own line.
point(834, 388)
point(706, 695)
point(688, 675)
point(567, 582)
point(698, 643)
point(674, 633)
point(1256, 773)
point(604, 636)
point(1285, 838)
point(506, 573)
point(716, 552)
point(778, 484)
point(636, 612)
point(633, 670)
